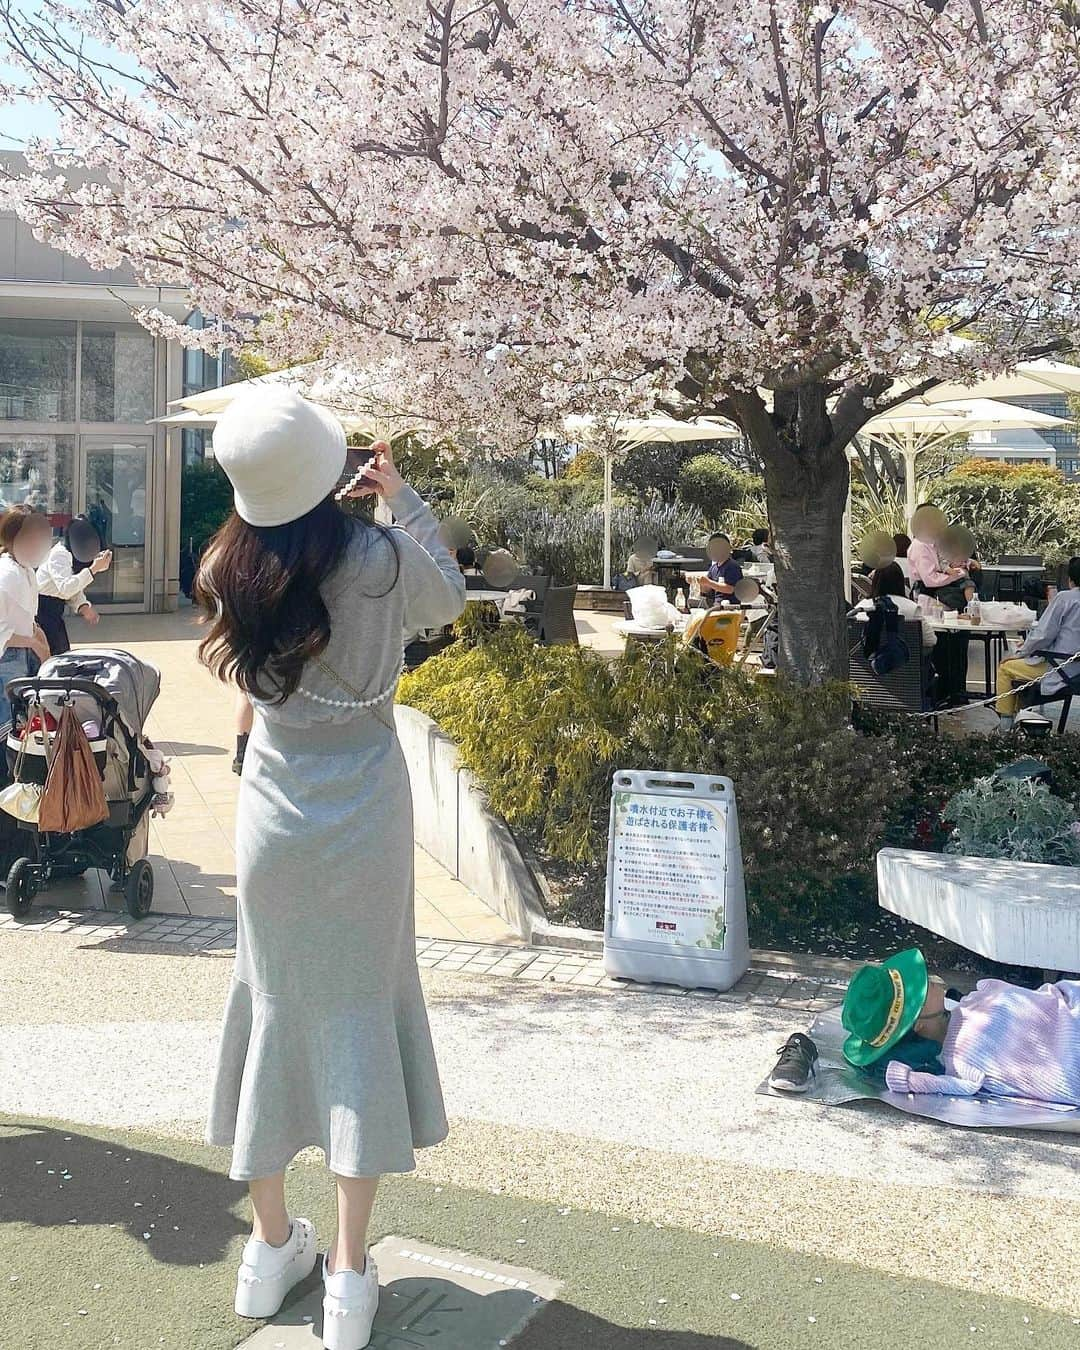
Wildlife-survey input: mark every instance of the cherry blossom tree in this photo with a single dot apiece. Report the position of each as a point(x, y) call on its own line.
point(778, 211)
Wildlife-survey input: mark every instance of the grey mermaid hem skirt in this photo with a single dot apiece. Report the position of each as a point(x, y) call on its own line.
point(325, 1037)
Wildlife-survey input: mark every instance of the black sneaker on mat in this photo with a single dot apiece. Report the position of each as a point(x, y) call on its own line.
point(796, 1066)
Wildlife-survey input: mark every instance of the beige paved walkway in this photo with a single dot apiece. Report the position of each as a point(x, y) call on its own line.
point(192, 849)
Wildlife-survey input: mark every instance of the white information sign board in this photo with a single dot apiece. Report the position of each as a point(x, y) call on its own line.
point(676, 907)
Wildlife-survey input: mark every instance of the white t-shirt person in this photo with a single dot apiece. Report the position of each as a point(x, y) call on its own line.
point(18, 601)
point(889, 581)
point(57, 577)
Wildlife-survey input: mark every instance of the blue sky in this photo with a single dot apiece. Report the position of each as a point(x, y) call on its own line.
point(22, 120)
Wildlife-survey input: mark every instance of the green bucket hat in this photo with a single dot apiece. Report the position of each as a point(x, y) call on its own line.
point(882, 1004)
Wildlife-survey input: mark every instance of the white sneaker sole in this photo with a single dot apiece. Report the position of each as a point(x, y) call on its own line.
point(262, 1298)
point(778, 1085)
point(346, 1330)
point(348, 1327)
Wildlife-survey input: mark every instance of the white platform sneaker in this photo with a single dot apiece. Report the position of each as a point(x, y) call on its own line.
point(349, 1306)
point(267, 1273)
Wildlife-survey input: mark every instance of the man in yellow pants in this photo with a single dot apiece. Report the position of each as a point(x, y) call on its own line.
point(1058, 631)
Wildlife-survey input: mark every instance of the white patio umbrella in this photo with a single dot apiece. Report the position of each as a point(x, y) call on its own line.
point(646, 430)
point(366, 405)
point(912, 428)
point(1030, 379)
point(605, 433)
point(206, 421)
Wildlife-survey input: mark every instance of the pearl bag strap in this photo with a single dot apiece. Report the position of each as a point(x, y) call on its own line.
point(357, 700)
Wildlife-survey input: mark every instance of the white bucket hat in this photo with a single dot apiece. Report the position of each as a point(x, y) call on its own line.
point(282, 454)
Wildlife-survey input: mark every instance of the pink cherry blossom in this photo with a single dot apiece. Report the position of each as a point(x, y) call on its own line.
point(773, 210)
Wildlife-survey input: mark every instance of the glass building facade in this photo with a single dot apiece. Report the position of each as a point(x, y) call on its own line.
point(82, 389)
point(201, 371)
point(75, 401)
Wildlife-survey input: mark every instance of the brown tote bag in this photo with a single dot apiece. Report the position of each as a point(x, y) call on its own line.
point(74, 795)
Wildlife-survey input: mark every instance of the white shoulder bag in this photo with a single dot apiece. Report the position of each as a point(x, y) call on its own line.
point(23, 800)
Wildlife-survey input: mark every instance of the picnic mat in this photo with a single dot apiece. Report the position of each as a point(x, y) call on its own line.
point(839, 1082)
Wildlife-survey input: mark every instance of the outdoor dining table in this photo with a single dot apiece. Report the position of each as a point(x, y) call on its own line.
point(1019, 569)
point(631, 628)
point(644, 632)
point(679, 564)
point(497, 597)
point(991, 635)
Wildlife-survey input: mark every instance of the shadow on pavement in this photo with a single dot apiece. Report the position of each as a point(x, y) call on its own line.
point(415, 1312)
point(561, 1326)
point(179, 749)
point(53, 1178)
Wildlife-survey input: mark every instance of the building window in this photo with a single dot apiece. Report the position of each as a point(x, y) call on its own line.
point(37, 370)
point(202, 371)
point(194, 444)
point(37, 470)
point(117, 383)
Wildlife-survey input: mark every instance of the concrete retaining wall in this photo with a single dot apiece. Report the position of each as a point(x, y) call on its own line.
point(453, 822)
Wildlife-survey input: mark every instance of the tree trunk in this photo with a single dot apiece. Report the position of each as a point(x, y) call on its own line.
point(806, 516)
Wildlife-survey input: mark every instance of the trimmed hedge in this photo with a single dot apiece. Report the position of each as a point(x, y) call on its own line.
point(544, 729)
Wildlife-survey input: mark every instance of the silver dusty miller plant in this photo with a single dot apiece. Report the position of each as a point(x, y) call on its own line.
point(1021, 820)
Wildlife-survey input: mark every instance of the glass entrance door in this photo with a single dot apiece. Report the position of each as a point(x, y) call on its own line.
point(113, 492)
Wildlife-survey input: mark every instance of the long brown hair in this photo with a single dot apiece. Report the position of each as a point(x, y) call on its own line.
point(260, 588)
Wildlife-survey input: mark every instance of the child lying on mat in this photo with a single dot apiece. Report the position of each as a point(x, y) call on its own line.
point(1000, 1039)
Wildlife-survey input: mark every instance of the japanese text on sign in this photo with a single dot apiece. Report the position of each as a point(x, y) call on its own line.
point(668, 872)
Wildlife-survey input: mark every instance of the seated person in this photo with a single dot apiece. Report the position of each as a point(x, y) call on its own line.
point(903, 543)
point(759, 547)
point(948, 585)
point(1000, 1039)
point(964, 566)
point(724, 572)
point(639, 567)
point(927, 573)
point(1057, 631)
point(889, 581)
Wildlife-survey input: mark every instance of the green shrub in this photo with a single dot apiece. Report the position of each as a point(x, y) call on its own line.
point(1015, 477)
point(562, 494)
point(545, 728)
point(488, 500)
point(585, 464)
point(568, 545)
point(206, 500)
point(649, 472)
point(1017, 819)
point(558, 524)
point(1024, 508)
point(712, 485)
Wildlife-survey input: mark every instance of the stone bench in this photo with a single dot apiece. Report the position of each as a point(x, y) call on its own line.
point(1022, 914)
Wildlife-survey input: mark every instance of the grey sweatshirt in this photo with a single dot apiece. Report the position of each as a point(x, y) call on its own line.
point(376, 601)
point(1057, 631)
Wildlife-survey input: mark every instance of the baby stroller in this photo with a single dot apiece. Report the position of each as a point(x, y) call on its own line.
point(112, 693)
